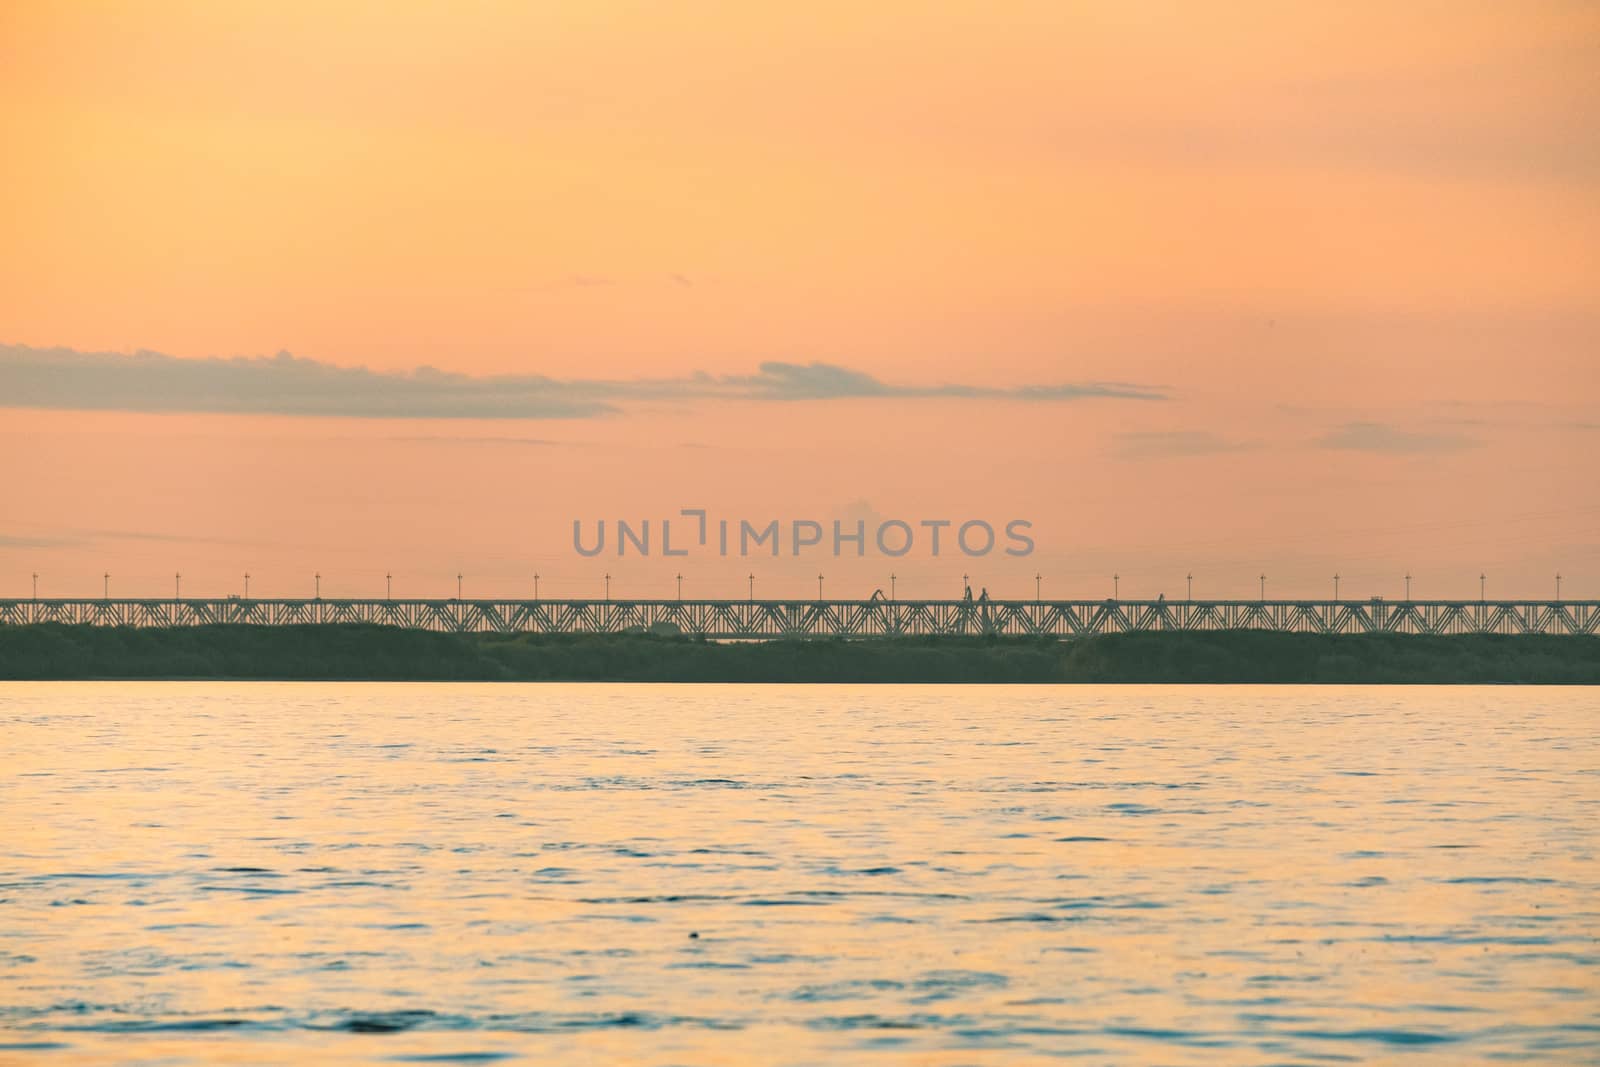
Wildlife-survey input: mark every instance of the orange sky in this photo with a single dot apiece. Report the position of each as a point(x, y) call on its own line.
point(1355, 247)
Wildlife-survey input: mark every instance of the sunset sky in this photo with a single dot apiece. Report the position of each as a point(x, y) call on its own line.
point(1227, 289)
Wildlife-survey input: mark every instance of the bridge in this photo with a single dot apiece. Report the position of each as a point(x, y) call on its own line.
point(757, 620)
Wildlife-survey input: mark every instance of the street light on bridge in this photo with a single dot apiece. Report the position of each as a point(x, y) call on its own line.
point(535, 585)
point(105, 593)
point(1336, 588)
point(1190, 579)
point(318, 579)
point(1558, 588)
point(388, 585)
point(247, 585)
point(1263, 588)
point(1038, 588)
point(1482, 587)
point(752, 587)
point(891, 586)
point(819, 586)
point(1408, 585)
point(177, 587)
point(680, 586)
point(608, 586)
point(36, 586)
point(1116, 587)
point(458, 587)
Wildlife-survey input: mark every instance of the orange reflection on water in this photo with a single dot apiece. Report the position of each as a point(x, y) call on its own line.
point(247, 873)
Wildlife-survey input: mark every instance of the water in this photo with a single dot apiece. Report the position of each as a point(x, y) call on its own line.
point(243, 873)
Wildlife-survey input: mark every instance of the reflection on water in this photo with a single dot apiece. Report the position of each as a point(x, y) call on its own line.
point(201, 873)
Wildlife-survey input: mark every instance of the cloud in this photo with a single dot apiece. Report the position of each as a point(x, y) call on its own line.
point(1160, 443)
point(574, 281)
point(284, 384)
point(76, 538)
point(281, 384)
point(454, 439)
point(10, 541)
point(1381, 437)
point(812, 381)
point(818, 381)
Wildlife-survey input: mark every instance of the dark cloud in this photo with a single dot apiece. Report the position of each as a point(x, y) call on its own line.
point(1382, 437)
point(1161, 443)
point(812, 381)
point(288, 385)
point(281, 384)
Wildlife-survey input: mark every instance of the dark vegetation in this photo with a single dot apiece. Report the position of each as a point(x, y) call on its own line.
point(50, 651)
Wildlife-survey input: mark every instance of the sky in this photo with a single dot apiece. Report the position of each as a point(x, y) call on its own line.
point(1222, 290)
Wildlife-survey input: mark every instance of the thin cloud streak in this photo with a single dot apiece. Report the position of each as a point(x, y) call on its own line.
point(63, 378)
point(1381, 437)
point(1157, 444)
point(11, 541)
point(454, 439)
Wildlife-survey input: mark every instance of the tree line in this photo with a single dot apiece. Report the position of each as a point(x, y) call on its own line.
point(367, 652)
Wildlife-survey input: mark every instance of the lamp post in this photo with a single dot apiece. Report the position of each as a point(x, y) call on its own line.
point(105, 593)
point(458, 587)
point(247, 585)
point(1263, 588)
point(1558, 588)
point(388, 585)
point(36, 586)
point(1408, 585)
point(608, 586)
point(1116, 587)
point(535, 585)
point(819, 586)
point(680, 586)
point(1190, 579)
point(891, 586)
point(1038, 588)
point(1482, 587)
point(966, 586)
point(318, 579)
point(1336, 588)
point(752, 587)
point(177, 587)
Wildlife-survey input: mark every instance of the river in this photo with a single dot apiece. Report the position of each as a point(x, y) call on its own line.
point(670, 875)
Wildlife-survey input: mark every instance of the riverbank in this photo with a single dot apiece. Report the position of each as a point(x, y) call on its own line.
point(374, 653)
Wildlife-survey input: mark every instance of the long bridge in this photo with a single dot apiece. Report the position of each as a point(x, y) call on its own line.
point(756, 620)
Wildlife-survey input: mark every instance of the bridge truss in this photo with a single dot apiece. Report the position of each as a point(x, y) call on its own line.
point(755, 620)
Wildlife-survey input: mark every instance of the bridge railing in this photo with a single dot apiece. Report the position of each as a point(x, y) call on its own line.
point(768, 619)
